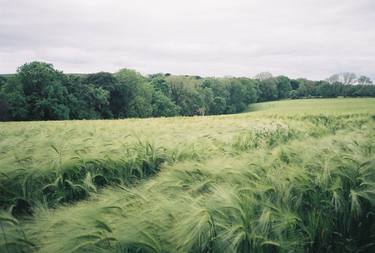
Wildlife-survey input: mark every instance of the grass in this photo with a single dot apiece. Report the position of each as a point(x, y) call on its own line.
point(280, 179)
point(315, 106)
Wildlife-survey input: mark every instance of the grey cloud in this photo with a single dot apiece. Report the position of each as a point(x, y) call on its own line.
point(309, 38)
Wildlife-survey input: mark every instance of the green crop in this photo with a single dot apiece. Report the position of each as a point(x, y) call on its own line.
point(267, 181)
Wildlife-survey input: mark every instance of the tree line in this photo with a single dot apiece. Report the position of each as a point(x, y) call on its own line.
point(40, 92)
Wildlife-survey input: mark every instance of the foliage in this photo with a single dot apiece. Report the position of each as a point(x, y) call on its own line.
point(283, 86)
point(163, 105)
point(268, 90)
point(44, 91)
point(40, 92)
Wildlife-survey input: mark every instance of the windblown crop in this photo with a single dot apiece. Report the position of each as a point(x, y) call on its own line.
point(254, 182)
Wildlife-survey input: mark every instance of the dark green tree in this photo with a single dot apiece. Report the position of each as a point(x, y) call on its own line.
point(131, 96)
point(14, 100)
point(103, 80)
point(306, 88)
point(160, 83)
point(184, 93)
point(237, 96)
point(163, 105)
point(3, 81)
point(268, 90)
point(43, 87)
point(4, 108)
point(219, 87)
point(294, 84)
point(250, 90)
point(88, 100)
point(283, 86)
point(327, 90)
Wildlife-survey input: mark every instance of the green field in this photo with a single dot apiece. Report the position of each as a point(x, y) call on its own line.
point(287, 176)
point(315, 106)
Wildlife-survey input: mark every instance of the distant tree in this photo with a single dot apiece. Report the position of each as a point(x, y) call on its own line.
point(268, 90)
point(179, 86)
point(220, 94)
point(46, 94)
point(283, 86)
point(306, 88)
point(108, 82)
point(219, 105)
point(39, 92)
point(325, 89)
point(333, 78)
point(104, 80)
point(14, 100)
point(364, 80)
point(131, 96)
point(207, 100)
point(140, 105)
point(87, 100)
point(163, 105)
point(184, 93)
point(238, 96)
point(3, 81)
point(160, 83)
point(96, 102)
point(4, 108)
point(294, 84)
point(293, 94)
point(263, 76)
point(349, 77)
point(251, 92)
point(345, 78)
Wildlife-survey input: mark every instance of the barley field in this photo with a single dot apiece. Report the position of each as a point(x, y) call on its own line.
point(286, 176)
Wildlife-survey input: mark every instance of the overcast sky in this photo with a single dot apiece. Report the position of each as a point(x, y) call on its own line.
point(298, 38)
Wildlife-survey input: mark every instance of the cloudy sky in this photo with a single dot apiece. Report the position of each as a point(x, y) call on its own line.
point(298, 38)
